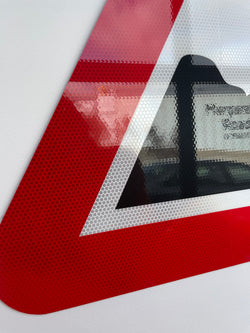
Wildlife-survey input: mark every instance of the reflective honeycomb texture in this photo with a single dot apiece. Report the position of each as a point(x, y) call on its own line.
point(199, 142)
point(196, 145)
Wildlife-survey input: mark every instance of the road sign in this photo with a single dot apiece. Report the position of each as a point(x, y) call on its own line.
point(64, 241)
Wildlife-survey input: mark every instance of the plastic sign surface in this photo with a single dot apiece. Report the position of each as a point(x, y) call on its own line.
point(142, 176)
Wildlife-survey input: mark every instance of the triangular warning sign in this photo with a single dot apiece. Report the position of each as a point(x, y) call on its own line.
point(67, 238)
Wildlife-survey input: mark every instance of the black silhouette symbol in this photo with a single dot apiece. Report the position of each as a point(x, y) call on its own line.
point(169, 165)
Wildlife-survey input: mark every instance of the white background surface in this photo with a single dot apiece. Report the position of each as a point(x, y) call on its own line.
point(40, 42)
